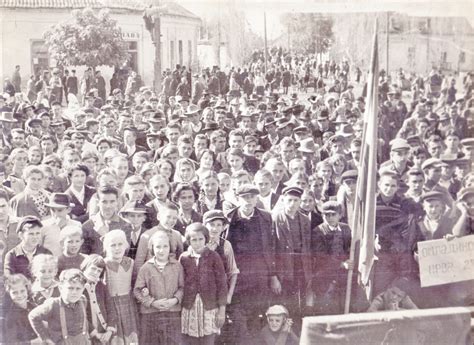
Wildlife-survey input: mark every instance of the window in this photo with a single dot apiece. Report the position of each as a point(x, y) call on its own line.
point(171, 54)
point(190, 52)
point(444, 56)
point(39, 57)
point(132, 62)
point(180, 52)
point(462, 57)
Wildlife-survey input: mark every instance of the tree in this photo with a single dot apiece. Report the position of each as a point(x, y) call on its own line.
point(309, 32)
point(87, 39)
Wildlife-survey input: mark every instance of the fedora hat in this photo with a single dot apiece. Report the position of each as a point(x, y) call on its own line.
point(345, 130)
point(210, 126)
point(59, 200)
point(192, 109)
point(7, 116)
point(308, 146)
point(340, 119)
point(133, 207)
point(220, 103)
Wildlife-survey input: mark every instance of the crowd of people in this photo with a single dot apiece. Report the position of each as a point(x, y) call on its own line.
point(219, 209)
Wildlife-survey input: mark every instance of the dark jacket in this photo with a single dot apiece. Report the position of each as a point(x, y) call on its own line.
point(208, 278)
point(285, 251)
point(79, 211)
point(93, 240)
point(16, 328)
point(327, 262)
point(17, 262)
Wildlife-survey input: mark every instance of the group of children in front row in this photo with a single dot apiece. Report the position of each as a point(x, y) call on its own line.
point(180, 300)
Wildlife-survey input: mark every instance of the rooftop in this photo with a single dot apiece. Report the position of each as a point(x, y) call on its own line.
point(170, 8)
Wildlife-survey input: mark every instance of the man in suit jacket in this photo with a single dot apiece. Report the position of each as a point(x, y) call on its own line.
point(105, 220)
point(292, 236)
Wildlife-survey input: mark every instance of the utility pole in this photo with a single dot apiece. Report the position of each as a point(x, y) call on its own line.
point(157, 43)
point(152, 18)
point(388, 43)
point(265, 35)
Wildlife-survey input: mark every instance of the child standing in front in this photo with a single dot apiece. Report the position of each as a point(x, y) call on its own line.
point(15, 325)
point(71, 241)
point(44, 268)
point(119, 270)
point(159, 290)
point(63, 320)
point(205, 289)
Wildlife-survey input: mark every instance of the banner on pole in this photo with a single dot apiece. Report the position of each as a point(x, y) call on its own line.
point(443, 261)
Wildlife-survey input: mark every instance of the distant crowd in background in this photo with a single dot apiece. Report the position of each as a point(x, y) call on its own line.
point(218, 209)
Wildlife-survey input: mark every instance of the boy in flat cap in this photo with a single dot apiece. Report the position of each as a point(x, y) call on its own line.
point(435, 224)
point(331, 245)
point(292, 236)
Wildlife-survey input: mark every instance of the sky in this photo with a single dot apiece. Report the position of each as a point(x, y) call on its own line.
point(254, 9)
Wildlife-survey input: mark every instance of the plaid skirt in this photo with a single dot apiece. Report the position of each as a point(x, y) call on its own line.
point(124, 310)
point(160, 328)
point(197, 321)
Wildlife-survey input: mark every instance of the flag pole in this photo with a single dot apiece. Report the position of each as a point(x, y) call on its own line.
point(365, 191)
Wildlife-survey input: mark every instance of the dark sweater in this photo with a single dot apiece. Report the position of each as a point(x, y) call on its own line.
point(208, 278)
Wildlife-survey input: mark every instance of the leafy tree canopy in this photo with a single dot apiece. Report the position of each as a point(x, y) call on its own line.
point(87, 39)
point(309, 32)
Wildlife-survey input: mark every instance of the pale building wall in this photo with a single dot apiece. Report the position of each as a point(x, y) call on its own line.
point(20, 27)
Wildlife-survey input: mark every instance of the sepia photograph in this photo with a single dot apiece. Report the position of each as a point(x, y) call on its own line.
point(237, 172)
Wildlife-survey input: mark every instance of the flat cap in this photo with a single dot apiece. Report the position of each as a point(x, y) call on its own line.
point(433, 195)
point(247, 189)
point(331, 207)
point(399, 144)
point(292, 190)
point(431, 162)
point(211, 215)
point(350, 174)
point(28, 220)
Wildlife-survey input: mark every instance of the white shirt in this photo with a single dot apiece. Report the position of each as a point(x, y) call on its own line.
point(79, 195)
point(266, 201)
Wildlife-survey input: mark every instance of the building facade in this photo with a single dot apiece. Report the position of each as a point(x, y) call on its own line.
point(23, 22)
point(413, 43)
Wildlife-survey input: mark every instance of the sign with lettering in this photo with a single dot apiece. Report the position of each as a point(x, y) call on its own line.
point(130, 35)
point(446, 261)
